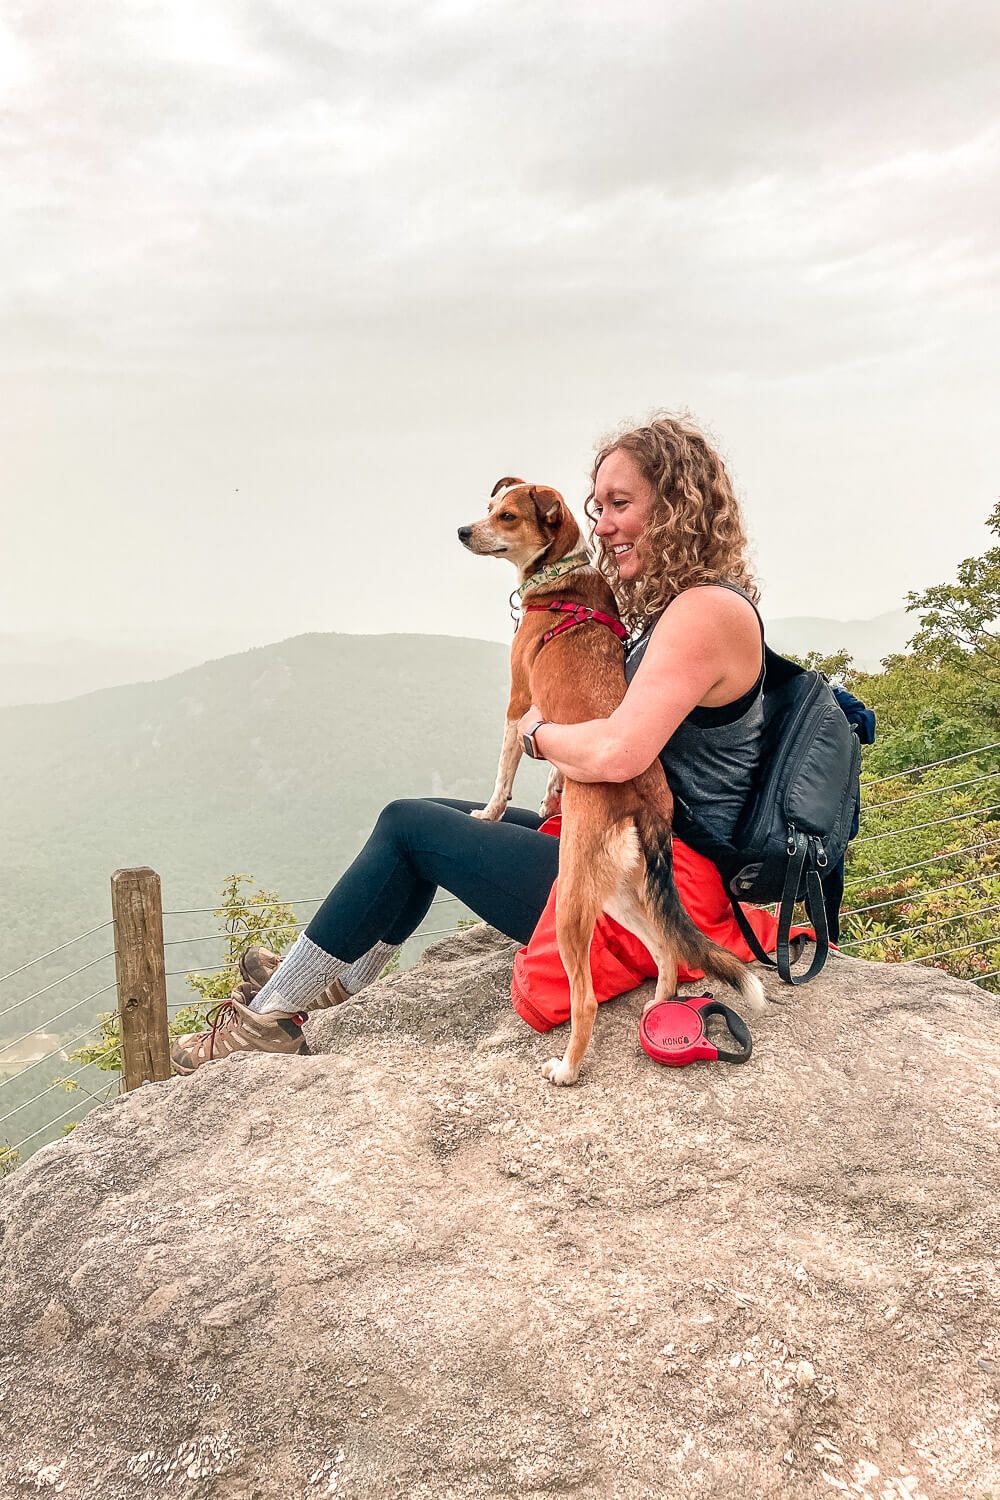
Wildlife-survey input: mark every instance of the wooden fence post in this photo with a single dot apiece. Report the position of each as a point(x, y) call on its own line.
point(141, 972)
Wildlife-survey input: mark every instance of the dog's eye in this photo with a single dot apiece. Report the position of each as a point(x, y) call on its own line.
point(506, 515)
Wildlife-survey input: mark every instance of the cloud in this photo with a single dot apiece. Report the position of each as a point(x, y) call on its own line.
point(503, 218)
point(188, 178)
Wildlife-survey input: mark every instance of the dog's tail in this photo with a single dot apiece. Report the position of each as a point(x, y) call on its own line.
point(697, 950)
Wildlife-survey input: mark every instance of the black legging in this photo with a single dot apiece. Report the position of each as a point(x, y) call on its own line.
point(502, 871)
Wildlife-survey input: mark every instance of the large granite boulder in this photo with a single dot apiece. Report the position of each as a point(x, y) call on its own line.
point(408, 1266)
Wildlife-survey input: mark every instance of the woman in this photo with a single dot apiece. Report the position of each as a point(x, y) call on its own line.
point(671, 542)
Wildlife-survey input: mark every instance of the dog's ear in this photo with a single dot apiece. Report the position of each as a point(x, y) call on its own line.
point(548, 511)
point(503, 484)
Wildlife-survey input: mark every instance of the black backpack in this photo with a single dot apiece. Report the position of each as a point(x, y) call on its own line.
point(797, 822)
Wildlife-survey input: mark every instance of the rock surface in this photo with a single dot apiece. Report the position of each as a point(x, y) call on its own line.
point(408, 1266)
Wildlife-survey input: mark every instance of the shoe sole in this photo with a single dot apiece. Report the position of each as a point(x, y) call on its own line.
point(184, 1070)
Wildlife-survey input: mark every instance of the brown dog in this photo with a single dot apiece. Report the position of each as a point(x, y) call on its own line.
point(615, 851)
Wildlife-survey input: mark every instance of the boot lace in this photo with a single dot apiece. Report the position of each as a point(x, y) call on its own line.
point(221, 1018)
point(225, 1015)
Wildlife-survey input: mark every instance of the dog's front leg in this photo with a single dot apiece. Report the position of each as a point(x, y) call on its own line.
point(510, 759)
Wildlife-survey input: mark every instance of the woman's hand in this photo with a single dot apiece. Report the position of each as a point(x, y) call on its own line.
point(577, 750)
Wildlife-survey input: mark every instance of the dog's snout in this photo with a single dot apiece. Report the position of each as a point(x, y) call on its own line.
point(464, 533)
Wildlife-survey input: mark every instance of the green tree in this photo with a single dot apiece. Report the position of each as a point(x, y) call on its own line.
point(838, 666)
point(924, 877)
point(958, 621)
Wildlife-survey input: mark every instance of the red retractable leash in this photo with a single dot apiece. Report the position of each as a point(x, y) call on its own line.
point(673, 1032)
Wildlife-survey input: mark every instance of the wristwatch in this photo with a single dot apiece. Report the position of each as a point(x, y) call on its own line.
point(528, 740)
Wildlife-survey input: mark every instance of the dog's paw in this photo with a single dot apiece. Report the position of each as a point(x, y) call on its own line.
point(558, 1071)
point(491, 813)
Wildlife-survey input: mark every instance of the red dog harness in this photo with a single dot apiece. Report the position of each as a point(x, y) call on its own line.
point(581, 613)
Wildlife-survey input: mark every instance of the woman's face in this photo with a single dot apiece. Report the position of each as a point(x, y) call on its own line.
point(623, 498)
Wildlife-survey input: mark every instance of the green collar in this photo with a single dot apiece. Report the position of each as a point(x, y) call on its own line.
point(554, 570)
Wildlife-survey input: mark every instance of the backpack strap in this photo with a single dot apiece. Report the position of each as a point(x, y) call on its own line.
point(817, 912)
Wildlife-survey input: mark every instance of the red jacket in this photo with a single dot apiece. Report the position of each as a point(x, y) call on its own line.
point(618, 961)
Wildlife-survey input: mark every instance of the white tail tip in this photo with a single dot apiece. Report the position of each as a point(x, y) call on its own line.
point(753, 992)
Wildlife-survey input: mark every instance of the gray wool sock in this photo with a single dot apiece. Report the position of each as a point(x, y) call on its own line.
point(306, 970)
point(368, 967)
point(300, 979)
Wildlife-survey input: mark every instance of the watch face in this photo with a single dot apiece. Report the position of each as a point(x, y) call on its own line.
point(529, 745)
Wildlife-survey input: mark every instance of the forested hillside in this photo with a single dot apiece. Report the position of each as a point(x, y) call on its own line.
point(924, 873)
point(275, 761)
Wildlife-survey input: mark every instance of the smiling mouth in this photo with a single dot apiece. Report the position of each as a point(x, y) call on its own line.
point(625, 547)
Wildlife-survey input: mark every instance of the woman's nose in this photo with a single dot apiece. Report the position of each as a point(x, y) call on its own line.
point(603, 527)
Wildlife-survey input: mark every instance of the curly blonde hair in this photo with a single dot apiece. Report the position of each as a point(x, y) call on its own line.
point(695, 530)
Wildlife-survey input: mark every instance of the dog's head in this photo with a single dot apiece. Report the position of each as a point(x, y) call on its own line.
point(524, 522)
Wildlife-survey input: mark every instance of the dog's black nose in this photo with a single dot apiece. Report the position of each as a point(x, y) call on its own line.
point(464, 532)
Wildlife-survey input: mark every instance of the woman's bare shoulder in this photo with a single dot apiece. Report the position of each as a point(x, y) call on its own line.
point(717, 628)
point(709, 603)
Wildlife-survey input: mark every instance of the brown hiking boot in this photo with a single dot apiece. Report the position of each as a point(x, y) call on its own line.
point(237, 1028)
point(334, 994)
point(258, 964)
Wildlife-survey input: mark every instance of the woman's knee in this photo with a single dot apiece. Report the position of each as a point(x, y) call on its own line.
point(398, 819)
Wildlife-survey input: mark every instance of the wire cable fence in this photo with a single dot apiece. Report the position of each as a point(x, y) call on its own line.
point(957, 885)
point(930, 791)
point(74, 1109)
point(921, 864)
point(68, 944)
point(930, 765)
point(899, 910)
point(26, 1121)
point(33, 1074)
point(56, 1084)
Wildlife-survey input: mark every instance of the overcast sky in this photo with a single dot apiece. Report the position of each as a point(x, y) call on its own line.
point(286, 286)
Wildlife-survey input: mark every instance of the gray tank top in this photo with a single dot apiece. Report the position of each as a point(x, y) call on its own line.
point(712, 756)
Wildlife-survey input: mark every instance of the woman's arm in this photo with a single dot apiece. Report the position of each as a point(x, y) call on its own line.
point(705, 650)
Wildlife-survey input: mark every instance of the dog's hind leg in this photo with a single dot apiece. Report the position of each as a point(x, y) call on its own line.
point(575, 918)
point(591, 862)
point(629, 907)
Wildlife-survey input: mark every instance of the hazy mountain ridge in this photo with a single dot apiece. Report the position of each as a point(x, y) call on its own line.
point(276, 761)
point(868, 641)
point(49, 669)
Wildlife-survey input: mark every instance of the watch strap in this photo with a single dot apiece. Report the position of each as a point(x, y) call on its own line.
point(528, 739)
